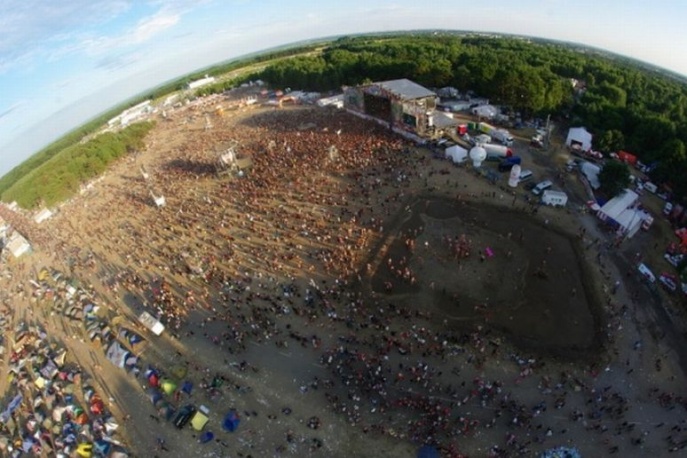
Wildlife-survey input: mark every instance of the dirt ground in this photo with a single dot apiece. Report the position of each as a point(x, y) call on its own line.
point(346, 298)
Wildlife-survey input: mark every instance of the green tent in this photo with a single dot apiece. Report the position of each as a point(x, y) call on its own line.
point(168, 386)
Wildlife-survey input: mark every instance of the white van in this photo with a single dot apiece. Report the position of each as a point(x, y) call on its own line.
point(526, 175)
point(541, 187)
point(650, 187)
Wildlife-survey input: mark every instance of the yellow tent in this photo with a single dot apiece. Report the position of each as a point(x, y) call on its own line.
point(199, 421)
point(85, 450)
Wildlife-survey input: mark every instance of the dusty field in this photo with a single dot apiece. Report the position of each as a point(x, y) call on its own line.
point(325, 291)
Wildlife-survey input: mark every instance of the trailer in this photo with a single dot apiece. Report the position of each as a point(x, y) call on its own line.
point(485, 128)
point(554, 198)
point(497, 151)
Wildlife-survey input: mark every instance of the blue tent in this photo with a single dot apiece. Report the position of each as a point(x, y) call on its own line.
point(231, 421)
point(154, 395)
point(187, 387)
point(427, 451)
point(102, 448)
point(206, 437)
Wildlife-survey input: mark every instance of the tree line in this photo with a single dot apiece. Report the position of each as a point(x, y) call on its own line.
point(61, 176)
point(626, 106)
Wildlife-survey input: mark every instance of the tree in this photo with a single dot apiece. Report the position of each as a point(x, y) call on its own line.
point(611, 141)
point(614, 177)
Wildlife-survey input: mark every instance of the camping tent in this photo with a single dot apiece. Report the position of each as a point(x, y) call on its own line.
point(199, 421)
point(231, 421)
point(578, 136)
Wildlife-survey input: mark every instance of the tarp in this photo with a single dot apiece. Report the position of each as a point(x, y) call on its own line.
point(199, 421)
point(427, 451)
point(231, 421)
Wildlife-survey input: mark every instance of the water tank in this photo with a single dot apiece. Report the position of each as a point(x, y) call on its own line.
point(514, 177)
point(478, 155)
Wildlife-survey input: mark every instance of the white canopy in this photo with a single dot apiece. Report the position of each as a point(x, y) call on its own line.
point(581, 136)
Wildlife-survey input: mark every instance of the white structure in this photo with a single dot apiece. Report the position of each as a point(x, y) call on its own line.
point(18, 245)
point(478, 155)
point(201, 82)
point(554, 198)
point(42, 216)
point(485, 111)
point(579, 138)
point(456, 154)
point(591, 173)
point(151, 323)
point(131, 114)
point(502, 136)
point(514, 177)
point(623, 210)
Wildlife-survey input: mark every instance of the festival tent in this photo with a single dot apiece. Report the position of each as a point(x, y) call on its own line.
point(199, 421)
point(456, 154)
point(578, 136)
point(168, 386)
point(427, 451)
point(231, 421)
point(117, 354)
point(206, 437)
point(187, 387)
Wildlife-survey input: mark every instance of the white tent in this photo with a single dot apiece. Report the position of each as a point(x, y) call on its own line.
point(18, 245)
point(591, 172)
point(485, 111)
point(456, 154)
point(579, 136)
point(42, 216)
point(621, 209)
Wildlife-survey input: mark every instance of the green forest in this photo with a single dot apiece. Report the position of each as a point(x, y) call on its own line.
point(626, 106)
point(60, 177)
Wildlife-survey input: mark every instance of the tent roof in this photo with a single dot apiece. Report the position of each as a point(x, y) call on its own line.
point(442, 120)
point(199, 421)
point(406, 89)
point(617, 205)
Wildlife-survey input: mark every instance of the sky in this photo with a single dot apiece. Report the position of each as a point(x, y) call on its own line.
point(64, 62)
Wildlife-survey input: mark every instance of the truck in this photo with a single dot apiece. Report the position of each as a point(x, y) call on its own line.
point(497, 151)
point(502, 136)
point(485, 128)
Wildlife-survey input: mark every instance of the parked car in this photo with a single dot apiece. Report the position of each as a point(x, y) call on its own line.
point(646, 273)
point(526, 175)
point(184, 416)
point(669, 282)
point(541, 187)
point(674, 259)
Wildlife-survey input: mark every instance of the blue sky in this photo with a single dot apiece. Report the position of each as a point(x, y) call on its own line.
point(64, 61)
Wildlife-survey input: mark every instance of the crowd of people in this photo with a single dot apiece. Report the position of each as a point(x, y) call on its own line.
point(279, 252)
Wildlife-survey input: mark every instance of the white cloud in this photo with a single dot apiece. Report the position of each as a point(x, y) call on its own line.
point(151, 26)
